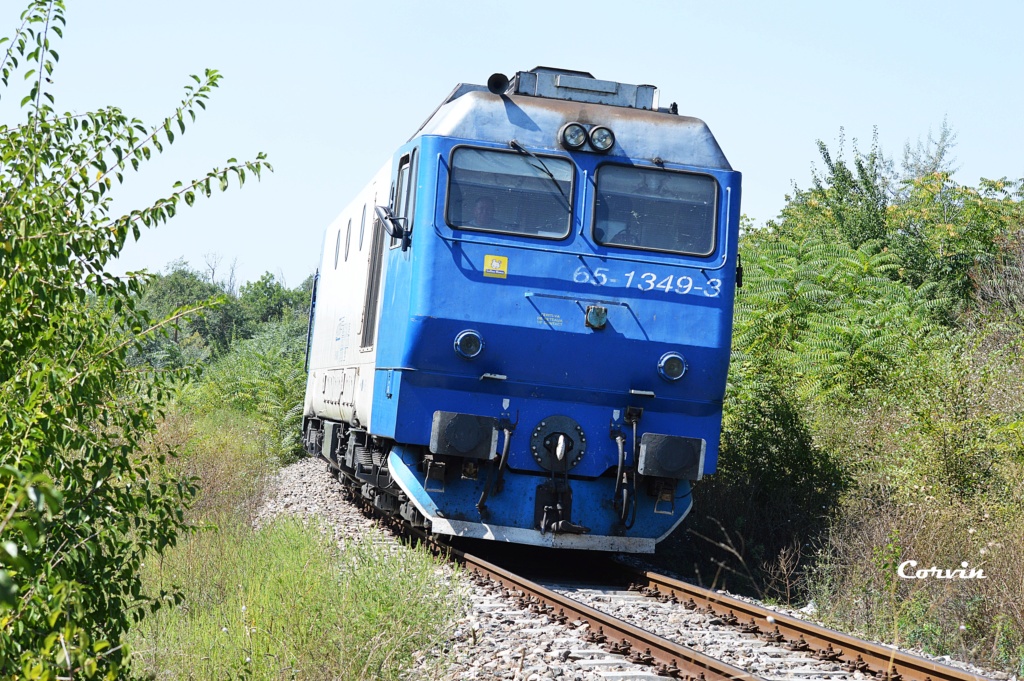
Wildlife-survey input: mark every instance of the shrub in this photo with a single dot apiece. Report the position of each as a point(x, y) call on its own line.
point(773, 493)
point(979, 619)
point(262, 376)
point(81, 502)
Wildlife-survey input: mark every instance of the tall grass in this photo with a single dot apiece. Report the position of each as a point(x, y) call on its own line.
point(975, 619)
point(284, 601)
point(229, 453)
point(941, 482)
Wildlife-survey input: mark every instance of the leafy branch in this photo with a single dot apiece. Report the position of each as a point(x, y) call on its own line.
point(83, 500)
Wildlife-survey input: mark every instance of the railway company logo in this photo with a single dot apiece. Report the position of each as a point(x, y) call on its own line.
point(906, 571)
point(496, 266)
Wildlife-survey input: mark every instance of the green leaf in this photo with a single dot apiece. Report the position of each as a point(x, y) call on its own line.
point(8, 589)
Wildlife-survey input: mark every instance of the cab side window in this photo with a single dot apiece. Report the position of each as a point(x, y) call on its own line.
point(405, 192)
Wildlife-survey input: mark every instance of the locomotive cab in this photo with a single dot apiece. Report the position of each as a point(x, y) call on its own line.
point(543, 338)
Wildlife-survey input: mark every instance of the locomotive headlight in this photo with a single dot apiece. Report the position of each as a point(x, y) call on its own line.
point(573, 135)
point(602, 138)
point(672, 366)
point(468, 344)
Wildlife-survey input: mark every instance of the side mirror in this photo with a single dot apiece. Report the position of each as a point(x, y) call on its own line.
point(393, 226)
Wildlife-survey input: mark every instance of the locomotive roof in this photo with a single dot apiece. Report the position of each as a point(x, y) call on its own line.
point(533, 120)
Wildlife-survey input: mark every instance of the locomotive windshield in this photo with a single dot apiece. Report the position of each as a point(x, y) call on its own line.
point(510, 192)
point(658, 210)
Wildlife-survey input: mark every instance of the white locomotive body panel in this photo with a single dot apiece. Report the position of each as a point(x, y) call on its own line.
point(341, 368)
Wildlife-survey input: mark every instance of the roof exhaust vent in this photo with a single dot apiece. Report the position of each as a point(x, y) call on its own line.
point(497, 83)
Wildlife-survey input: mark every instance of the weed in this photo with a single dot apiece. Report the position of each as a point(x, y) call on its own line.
point(284, 601)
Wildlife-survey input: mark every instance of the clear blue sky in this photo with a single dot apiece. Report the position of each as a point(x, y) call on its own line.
point(329, 89)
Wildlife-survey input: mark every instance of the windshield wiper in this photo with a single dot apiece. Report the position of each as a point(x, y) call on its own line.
point(544, 169)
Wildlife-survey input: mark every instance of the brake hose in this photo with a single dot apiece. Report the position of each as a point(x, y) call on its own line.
point(506, 445)
point(620, 440)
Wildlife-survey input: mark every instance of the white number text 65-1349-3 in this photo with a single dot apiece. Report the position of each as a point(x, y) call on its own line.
point(648, 281)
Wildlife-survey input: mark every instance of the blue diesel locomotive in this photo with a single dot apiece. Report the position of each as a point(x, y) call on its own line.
point(520, 328)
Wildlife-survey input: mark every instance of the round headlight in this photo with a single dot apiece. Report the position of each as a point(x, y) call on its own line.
point(468, 344)
point(672, 366)
point(573, 135)
point(602, 138)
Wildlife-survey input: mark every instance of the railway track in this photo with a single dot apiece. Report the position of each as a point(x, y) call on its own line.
point(856, 656)
point(663, 657)
point(755, 642)
point(659, 626)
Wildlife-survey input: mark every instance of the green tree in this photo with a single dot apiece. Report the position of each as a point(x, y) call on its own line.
point(945, 232)
point(930, 156)
point(852, 199)
point(223, 318)
point(940, 232)
point(82, 501)
point(264, 300)
point(829, 314)
point(268, 300)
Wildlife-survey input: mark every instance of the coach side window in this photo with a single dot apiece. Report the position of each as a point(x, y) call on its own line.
point(362, 228)
point(348, 238)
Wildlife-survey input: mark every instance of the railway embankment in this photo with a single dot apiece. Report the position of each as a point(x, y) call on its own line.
point(503, 634)
point(492, 637)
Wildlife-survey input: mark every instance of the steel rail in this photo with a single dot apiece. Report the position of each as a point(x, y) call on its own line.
point(887, 664)
point(676, 661)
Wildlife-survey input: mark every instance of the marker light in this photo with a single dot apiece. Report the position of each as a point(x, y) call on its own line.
point(468, 344)
point(573, 135)
point(602, 138)
point(672, 366)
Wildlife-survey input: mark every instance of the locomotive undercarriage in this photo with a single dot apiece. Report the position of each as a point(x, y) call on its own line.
point(360, 461)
